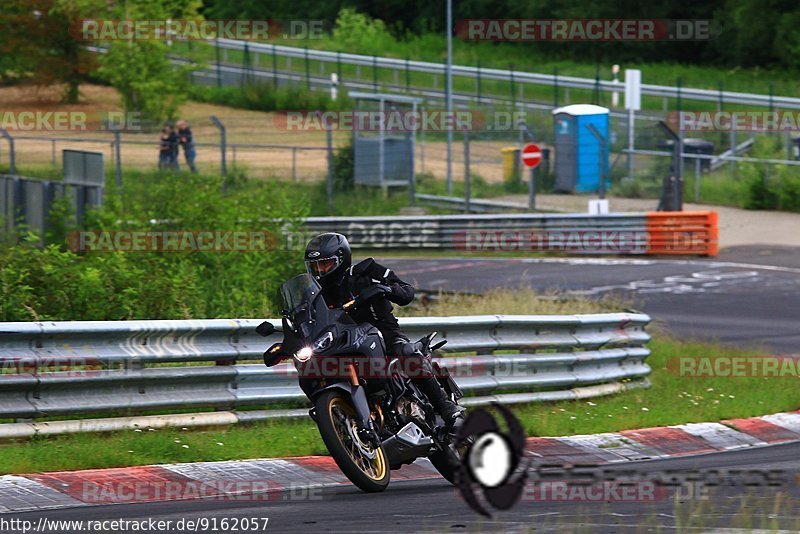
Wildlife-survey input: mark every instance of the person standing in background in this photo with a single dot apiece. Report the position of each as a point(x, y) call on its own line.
point(173, 149)
point(187, 142)
point(165, 147)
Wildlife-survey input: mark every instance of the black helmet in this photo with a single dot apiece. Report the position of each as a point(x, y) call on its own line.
point(328, 256)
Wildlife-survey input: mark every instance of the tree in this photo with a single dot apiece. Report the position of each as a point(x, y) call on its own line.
point(36, 45)
point(140, 69)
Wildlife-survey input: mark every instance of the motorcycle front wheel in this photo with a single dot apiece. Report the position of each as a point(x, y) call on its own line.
point(363, 464)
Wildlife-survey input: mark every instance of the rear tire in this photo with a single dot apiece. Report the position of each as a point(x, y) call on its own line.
point(335, 420)
point(446, 462)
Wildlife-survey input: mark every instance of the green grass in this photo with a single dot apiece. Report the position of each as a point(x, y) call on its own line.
point(670, 400)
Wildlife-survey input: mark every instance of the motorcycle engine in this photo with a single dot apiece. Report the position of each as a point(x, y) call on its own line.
point(411, 410)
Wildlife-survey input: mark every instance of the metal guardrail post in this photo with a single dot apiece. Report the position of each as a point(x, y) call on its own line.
point(308, 69)
point(467, 177)
point(697, 178)
point(478, 81)
point(223, 149)
point(219, 68)
point(555, 87)
point(274, 68)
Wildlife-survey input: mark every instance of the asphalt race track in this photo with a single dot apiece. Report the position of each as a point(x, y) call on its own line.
point(748, 296)
point(434, 506)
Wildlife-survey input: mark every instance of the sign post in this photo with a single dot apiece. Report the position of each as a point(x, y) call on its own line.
point(531, 158)
point(633, 103)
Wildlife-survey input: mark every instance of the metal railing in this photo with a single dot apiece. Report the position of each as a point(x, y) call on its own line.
point(57, 369)
point(517, 77)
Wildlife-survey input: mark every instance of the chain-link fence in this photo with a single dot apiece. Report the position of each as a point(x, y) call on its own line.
point(740, 168)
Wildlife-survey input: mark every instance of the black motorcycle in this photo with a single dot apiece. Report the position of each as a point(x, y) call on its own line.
point(371, 416)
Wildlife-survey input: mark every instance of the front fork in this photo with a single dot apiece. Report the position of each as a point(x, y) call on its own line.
point(358, 396)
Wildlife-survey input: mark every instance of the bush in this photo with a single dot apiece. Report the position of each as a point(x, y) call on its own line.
point(344, 168)
point(56, 283)
point(267, 97)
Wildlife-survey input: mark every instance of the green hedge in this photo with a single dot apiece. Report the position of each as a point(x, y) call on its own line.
point(51, 282)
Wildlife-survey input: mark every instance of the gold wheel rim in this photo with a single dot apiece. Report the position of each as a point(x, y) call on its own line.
point(374, 468)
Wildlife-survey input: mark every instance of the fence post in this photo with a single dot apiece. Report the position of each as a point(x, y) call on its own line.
point(219, 70)
point(596, 92)
point(294, 162)
point(375, 73)
point(12, 167)
point(247, 66)
point(274, 68)
point(339, 66)
point(513, 92)
point(478, 82)
point(467, 177)
point(223, 149)
point(118, 158)
point(721, 102)
point(422, 141)
point(771, 103)
point(53, 154)
point(329, 142)
point(308, 68)
point(555, 87)
point(697, 174)
point(408, 76)
point(678, 83)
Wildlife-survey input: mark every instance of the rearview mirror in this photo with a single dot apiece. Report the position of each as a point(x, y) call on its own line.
point(265, 329)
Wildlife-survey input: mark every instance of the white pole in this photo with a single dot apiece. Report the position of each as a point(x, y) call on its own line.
point(615, 81)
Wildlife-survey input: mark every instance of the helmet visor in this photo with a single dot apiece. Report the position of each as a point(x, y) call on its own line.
point(321, 267)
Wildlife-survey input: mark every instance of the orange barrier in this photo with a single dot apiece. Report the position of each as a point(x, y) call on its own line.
point(682, 232)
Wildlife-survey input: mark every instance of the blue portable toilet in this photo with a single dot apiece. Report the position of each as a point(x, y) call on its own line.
point(578, 157)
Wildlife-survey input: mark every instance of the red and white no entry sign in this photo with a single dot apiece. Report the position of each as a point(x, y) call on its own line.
point(531, 155)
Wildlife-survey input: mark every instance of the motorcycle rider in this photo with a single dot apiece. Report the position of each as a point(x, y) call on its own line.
point(328, 258)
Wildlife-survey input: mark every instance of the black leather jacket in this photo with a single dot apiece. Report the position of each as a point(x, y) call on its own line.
point(361, 276)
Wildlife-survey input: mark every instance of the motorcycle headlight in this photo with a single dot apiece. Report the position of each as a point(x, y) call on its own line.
point(323, 342)
point(303, 354)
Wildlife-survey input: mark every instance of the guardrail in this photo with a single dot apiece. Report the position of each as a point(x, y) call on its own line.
point(677, 233)
point(516, 77)
point(62, 369)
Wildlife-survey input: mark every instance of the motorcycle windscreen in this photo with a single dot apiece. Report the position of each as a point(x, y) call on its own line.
point(302, 299)
point(298, 290)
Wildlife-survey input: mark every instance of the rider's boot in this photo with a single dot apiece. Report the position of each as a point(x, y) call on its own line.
point(449, 410)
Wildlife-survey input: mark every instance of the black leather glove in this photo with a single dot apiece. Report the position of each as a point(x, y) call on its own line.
point(373, 293)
